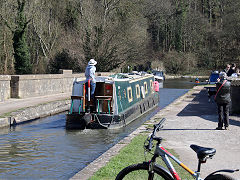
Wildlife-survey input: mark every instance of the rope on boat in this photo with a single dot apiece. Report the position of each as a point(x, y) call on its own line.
point(111, 121)
point(100, 122)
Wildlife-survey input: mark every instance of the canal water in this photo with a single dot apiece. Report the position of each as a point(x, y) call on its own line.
point(44, 149)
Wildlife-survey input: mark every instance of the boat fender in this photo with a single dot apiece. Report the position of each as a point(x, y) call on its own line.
point(87, 118)
point(156, 86)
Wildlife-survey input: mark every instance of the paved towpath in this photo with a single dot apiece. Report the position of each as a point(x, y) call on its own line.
point(15, 104)
point(191, 119)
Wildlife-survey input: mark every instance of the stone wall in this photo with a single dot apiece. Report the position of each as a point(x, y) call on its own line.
point(39, 111)
point(23, 86)
point(4, 87)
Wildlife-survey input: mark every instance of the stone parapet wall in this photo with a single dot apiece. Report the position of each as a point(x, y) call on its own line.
point(4, 87)
point(47, 84)
point(23, 86)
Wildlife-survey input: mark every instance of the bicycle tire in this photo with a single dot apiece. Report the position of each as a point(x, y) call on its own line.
point(219, 177)
point(134, 171)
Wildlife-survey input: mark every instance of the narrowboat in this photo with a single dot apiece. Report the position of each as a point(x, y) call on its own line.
point(118, 100)
point(158, 75)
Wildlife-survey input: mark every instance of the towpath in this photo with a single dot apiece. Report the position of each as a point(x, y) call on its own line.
point(191, 119)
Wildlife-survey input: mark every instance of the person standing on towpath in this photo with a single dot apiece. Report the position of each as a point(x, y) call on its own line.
point(223, 100)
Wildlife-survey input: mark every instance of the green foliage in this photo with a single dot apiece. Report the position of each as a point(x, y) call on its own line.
point(63, 60)
point(21, 51)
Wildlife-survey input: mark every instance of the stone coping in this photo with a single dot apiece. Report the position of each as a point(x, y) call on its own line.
point(46, 76)
point(5, 77)
point(49, 76)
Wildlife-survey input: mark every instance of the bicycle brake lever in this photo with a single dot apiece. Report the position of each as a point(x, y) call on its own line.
point(160, 127)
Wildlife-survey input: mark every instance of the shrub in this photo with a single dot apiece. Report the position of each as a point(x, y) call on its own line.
point(63, 60)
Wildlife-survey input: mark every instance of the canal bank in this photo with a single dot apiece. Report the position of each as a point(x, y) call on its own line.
point(191, 119)
point(16, 111)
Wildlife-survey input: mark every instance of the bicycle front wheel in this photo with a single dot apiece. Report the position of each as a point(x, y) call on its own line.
point(140, 171)
point(219, 177)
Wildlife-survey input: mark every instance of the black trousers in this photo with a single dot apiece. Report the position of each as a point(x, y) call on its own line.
point(223, 114)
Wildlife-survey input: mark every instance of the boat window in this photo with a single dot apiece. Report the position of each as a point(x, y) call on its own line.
point(129, 93)
point(137, 91)
point(145, 87)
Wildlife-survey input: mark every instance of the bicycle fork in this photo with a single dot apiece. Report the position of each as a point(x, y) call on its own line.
point(151, 166)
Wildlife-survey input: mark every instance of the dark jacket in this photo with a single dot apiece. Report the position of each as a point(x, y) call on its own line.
point(230, 72)
point(223, 95)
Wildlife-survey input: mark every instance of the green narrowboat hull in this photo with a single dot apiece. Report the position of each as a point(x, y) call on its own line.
point(127, 100)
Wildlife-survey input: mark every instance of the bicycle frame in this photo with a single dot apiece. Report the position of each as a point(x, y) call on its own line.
point(160, 151)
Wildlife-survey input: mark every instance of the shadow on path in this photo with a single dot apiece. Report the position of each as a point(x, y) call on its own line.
point(201, 107)
point(187, 129)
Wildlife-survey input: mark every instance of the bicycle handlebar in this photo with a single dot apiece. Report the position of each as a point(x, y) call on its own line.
point(158, 126)
point(151, 137)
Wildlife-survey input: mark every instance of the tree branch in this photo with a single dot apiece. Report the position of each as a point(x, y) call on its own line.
point(43, 45)
point(6, 23)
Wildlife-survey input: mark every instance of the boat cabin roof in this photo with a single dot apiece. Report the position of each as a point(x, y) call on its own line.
point(158, 73)
point(119, 77)
point(130, 76)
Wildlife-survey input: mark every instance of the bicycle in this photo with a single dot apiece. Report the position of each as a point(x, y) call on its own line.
point(151, 168)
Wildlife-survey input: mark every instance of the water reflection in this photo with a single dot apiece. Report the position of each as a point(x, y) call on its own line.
point(43, 149)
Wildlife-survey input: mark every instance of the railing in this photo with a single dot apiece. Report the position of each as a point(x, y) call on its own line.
point(103, 98)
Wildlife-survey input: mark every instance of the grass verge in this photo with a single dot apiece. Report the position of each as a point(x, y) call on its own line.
point(133, 153)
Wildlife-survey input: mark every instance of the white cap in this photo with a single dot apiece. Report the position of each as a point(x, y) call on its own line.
point(92, 62)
